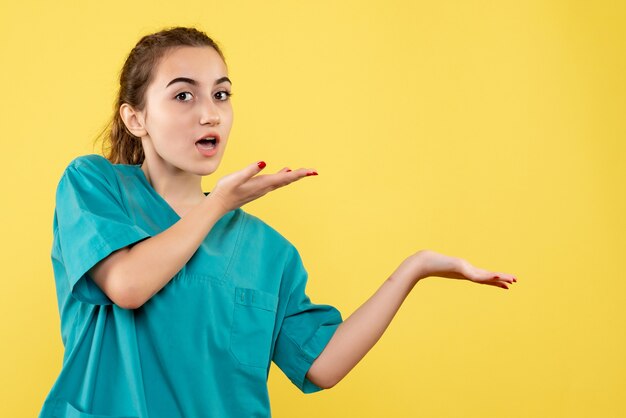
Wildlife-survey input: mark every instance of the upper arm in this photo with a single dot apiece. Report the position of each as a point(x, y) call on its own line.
point(311, 375)
point(92, 233)
point(305, 331)
point(105, 275)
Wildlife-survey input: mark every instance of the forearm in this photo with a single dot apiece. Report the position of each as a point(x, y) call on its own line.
point(356, 335)
point(150, 264)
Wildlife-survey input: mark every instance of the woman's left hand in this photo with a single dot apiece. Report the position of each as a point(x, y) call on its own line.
point(427, 263)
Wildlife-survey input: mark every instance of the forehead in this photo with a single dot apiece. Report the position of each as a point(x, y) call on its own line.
point(200, 63)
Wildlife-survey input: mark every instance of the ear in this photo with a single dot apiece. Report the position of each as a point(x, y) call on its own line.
point(133, 120)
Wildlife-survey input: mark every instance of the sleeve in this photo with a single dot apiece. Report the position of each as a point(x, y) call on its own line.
point(91, 223)
point(305, 330)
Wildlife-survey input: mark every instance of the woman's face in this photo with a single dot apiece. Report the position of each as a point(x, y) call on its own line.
point(187, 100)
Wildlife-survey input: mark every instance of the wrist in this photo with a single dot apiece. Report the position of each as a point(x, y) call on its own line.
point(410, 272)
point(419, 266)
point(214, 205)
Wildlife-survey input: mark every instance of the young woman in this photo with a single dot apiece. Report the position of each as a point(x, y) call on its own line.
point(174, 301)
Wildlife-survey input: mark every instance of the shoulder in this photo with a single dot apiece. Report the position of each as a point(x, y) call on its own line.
point(89, 174)
point(254, 226)
point(90, 167)
point(90, 162)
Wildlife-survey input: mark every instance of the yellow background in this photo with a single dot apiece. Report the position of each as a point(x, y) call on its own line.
point(487, 130)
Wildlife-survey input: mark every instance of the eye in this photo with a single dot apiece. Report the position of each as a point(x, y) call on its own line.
point(223, 95)
point(180, 94)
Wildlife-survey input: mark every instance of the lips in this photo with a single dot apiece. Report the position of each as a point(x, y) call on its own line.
point(207, 144)
point(211, 136)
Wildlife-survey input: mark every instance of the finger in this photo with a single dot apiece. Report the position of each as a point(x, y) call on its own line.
point(248, 172)
point(297, 174)
point(496, 280)
point(498, 284)
point(283, 178)
point(508, 278)
point(304, 172)
point(504, 277)
point(501, 283)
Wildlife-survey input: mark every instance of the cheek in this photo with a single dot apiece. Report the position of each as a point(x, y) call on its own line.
point(171, 119)
point(228, 119)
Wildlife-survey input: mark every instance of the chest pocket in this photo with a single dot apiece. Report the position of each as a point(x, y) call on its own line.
point(253, 325)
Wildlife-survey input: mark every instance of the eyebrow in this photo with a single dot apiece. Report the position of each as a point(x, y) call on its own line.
point(194, 82)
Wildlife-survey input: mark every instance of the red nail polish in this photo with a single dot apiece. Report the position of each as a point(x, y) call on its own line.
point(496, 277)
point(288, 170)
point(261, 164)
point(312, 173)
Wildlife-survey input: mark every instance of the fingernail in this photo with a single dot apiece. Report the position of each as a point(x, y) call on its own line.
point(261, 164)
point(312, 173)
point(496, 277)
point(288, 170)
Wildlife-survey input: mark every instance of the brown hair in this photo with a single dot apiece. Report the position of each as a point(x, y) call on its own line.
point(135, 77)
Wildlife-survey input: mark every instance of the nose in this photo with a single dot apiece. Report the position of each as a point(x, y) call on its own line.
point(210, 114)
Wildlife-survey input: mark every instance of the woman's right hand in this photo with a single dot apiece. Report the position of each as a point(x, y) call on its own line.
point(236, 189)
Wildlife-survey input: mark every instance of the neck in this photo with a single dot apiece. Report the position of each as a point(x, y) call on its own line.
point(174, 185)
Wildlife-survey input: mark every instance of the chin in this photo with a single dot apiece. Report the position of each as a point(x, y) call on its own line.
point(209, 169)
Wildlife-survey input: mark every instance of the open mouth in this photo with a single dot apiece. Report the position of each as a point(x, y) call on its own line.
point(207, 143)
